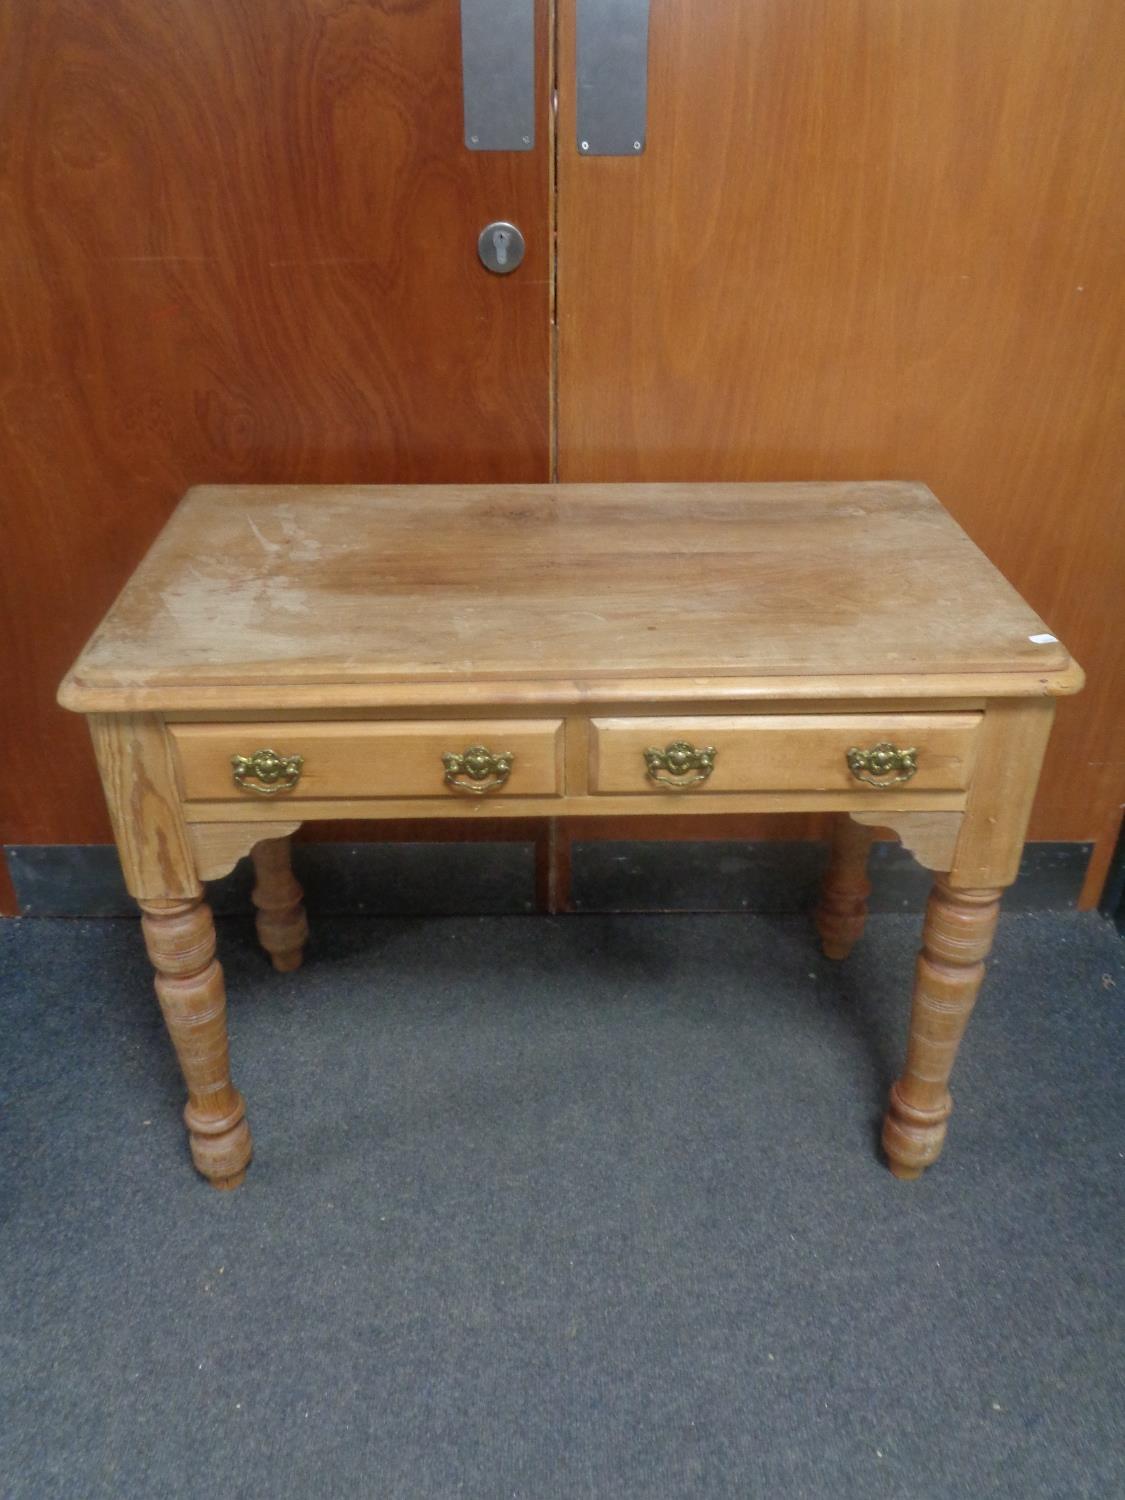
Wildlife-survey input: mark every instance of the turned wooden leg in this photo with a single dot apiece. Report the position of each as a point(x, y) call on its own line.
point(180, 937)
point(959, 929)
point(843, 895)
point(282, 927)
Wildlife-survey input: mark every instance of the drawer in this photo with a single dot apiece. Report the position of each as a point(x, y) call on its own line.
point(367, 760)
point(783, 752)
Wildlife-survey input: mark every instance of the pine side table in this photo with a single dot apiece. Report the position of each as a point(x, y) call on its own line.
point(286, 654)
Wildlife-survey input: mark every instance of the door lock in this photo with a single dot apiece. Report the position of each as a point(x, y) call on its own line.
point(500, 247)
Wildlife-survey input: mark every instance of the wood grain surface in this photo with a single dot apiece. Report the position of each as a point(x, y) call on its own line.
point(799, 752)
point(368, 760)
point(139, 782)
point(930, 836)
point(956, 939)
point(842, 911)
point(871, 238)
point(180, 938)
point(237, 241)
point(283, 928)
point(296, 591)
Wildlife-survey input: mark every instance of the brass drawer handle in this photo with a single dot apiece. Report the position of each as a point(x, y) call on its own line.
point(877, 766)
point(680, 766)
point(266, 772)
point(486, 771)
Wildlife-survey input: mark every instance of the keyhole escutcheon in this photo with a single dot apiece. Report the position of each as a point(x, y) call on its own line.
point(500, 246)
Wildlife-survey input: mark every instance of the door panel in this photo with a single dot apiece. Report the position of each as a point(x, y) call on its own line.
point(237, 242)
point(874, 239)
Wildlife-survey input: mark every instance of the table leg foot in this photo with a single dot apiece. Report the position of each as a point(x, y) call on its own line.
point(958, 934)
point(228, 1184)
point(180, 938)
point(842, 912)
point(220, 1149)
point(905, 1174)
point(283, 928)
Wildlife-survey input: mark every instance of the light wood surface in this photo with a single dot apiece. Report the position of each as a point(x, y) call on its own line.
point(158, 863)
point(180, 937)
point(139, 783)
point(237, 242)
point(659, 805)
point(797, 752)
point(398, 760)
point(282, 926)
point(578, 578)
point(217, 847)
point(305, 589)
point(1013, 740)
point(930, 836)
point(960, 926)
point(955, 690)
point(842, 912)
point(876, 238)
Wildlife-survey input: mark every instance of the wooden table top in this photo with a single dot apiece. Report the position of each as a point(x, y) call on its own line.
point(311, 597)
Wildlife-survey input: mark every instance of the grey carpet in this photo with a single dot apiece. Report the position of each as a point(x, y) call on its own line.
point(587, 1207)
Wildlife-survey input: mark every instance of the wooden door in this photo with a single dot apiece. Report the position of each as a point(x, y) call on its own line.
point(237, 242)
point(876, 238)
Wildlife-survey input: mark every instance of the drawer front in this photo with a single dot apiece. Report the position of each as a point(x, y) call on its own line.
point(356, 760)
point(779, 753)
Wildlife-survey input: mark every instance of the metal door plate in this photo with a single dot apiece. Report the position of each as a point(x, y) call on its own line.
point(612, 77)
point(498, 74)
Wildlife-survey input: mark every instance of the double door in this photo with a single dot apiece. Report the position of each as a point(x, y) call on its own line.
point(859, 239)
